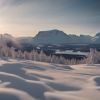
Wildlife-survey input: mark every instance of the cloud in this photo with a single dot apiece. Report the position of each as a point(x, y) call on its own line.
point(68, 13)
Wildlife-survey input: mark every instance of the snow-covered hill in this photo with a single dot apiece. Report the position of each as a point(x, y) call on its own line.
point(9, 40)
point(28, 80)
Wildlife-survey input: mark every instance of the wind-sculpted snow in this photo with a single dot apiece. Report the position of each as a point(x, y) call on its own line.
point(29, 80)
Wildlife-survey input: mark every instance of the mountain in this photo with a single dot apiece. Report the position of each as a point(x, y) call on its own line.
point(85, 39)
point(53, 37)
point(59, 37)
point(9, 40)
point(96, 39)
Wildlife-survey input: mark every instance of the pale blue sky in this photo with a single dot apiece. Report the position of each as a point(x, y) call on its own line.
point(27, 17)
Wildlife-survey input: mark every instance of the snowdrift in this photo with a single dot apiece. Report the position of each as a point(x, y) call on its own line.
point(29, 80)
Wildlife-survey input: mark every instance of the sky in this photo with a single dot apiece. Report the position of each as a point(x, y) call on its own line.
point(28, 17)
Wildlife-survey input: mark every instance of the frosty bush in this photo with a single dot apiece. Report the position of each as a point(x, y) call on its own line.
point(92, 58)
point(35, 56)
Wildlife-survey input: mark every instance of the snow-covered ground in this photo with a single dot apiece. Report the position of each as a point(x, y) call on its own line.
point(28, 80)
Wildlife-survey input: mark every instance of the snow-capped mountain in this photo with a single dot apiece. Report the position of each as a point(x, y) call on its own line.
point(96, 39)
point(59, 37)
point(51, 37)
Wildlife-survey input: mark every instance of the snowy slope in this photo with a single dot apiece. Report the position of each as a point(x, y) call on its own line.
point(28, 80)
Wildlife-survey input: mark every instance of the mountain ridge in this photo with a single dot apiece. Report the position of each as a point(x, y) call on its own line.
point(54, 37)
point(59, 37)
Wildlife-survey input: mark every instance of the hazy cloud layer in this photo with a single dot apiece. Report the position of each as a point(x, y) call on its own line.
point(30, 16)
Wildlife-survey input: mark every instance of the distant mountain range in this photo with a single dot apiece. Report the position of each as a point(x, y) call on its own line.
point(53, 37)
point(96, 39)
point(59, 37)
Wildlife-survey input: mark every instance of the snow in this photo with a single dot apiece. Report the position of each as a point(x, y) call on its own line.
point(59, 37)
point(30, 80)
point(72, 52)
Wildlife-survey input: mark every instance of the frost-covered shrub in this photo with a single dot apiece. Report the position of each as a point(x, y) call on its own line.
point(93, 57)
point(5, 51)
